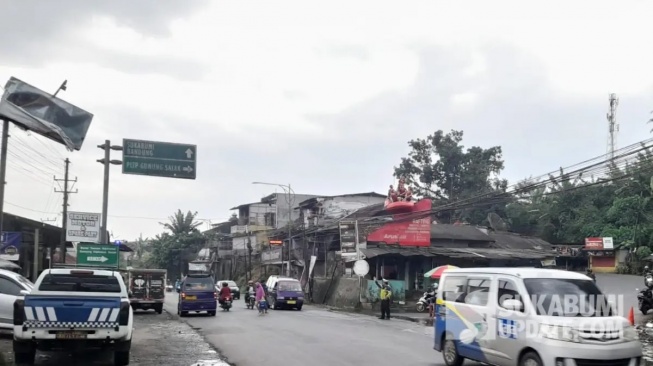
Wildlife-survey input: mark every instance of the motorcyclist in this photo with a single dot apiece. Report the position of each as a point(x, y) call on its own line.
point(225, 292)
point(590, 274)
point(647, 272)
point(251, 290)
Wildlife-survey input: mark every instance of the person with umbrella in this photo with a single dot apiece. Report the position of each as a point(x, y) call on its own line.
point(385, 294)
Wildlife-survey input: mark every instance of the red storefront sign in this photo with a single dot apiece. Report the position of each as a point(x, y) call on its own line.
point(407, 232)
point(593, 243)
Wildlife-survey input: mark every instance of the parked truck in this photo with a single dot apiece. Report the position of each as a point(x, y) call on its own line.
point(74, 311)
point(147, 288)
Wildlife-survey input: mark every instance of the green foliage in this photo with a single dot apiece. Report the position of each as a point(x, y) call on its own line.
point(439, 167)
point(565, 208)
point(179, 244)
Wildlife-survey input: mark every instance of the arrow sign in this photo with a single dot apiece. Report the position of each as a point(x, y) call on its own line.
point(187, 169)
point(97, 259)
point(189, 154)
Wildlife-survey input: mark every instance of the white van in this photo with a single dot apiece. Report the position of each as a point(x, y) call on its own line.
point(530, 317)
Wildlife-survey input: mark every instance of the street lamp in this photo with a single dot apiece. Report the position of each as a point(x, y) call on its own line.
point(290, 191)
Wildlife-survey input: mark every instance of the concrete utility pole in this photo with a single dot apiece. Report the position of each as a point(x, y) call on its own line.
point(290, 202)
point(64, 220)
point(106, 161)
point(3, 169)
point(613, 127)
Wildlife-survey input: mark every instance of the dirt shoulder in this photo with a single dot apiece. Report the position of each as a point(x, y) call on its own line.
point(158, 340)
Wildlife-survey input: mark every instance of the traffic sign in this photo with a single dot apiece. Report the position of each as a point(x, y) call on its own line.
point(90, 254)
point(159, 159)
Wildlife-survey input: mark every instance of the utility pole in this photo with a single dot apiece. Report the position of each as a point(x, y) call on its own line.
point(3, 169)
point(64, 221)
point(35, 265)
point(613, 127)
point(289, 229)
point(106, 161)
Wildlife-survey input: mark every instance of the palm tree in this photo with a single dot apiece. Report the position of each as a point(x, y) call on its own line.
point(181, 223)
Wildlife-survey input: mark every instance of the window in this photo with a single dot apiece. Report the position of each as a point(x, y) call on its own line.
point(478, 290)
point(199, 284)
point(9, 287)
point(507, 291)
point(551, 297)
point(290, 286)
point(231, 283)
point(80, 283)
point(454, 288)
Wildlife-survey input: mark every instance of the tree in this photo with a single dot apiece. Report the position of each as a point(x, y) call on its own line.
point(439, 167)
point(181, 223)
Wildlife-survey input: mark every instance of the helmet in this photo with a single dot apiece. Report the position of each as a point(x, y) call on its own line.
point(385, 281)
point(646, 268)
point(250, 282)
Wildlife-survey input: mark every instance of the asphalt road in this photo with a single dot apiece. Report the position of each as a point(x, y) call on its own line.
point(624, 286)
point(313, 336)
point(317, 337)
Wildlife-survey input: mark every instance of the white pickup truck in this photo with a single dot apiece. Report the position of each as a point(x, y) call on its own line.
point(74, 310)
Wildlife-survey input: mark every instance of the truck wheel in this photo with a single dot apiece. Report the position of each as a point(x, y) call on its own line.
point(121, 358)
point(24, 353)
point(158, 308)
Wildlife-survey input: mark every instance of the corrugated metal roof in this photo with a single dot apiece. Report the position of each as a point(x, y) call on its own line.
point(479, 253)
point(458, 232)
point(365, 194)
point(506, 240)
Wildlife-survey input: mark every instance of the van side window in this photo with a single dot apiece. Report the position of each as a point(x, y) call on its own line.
point(507, 291)
point(478, 291)
point(453, 288)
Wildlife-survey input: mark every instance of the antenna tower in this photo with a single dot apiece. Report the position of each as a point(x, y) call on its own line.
point(613, 127)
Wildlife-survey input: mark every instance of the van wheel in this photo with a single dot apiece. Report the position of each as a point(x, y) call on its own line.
point(530, 359)
point(450, 353)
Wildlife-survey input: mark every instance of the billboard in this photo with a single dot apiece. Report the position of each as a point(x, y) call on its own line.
point(40, 112)
point(348, 239)
point(83, 227)
point(10, 245)
point(405, 230)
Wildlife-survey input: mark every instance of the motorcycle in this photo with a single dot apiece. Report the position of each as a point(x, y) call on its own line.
point(250, 301)
point(226, 304)
point(645, 296)
point(423, 302)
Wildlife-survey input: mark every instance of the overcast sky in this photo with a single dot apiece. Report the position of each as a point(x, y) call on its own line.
point(323, 97)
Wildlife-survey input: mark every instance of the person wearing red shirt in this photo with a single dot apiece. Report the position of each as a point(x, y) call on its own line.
point(225, 292)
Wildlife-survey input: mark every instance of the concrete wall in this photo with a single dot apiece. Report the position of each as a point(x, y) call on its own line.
point(344, 292)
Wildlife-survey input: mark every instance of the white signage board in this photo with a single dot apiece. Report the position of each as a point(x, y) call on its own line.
point(83, 227)
point(361, 268)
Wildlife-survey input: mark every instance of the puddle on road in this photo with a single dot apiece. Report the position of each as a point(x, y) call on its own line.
point(210, 363)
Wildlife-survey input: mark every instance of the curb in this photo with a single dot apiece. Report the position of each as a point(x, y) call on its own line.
point(395, 316)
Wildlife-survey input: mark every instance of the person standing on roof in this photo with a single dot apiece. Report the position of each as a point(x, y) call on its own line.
point(385, 294)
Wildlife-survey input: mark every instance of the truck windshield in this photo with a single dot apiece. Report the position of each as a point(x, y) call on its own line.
point(80, 283)
point(290, 286)
point(199, 284)
point(567, 297)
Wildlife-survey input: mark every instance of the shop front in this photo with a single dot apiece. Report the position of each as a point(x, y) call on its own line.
point(601, 253)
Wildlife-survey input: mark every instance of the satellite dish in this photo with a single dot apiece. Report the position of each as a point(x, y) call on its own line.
point(361, 268)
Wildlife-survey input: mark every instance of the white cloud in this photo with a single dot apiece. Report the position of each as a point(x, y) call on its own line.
point(264, 88)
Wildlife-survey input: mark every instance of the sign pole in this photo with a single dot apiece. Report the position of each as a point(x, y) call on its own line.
point(105, 193)
point(35, 266)
point(3, 168)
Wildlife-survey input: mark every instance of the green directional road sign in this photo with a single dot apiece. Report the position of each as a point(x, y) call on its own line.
point(91, 254)
point(159, 159)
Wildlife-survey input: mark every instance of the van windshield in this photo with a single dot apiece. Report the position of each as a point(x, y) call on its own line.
point(199, 284)
point(567, 297)
point(290, 286)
